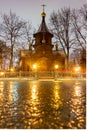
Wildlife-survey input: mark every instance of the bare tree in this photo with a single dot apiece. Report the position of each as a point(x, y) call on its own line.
point(62, 29)
point(83, 13)
point(11, 29)
point(79, 19)
point(4, 53)
point(28, 35)
point(83, 59)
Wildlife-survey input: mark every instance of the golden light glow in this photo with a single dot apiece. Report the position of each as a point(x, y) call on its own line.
point(34, 66)
point(57, 100)
point(2, 73)
point(1, 91)
point(11, 69)
point(43, 14)
point(11, 91)
point(56, 66)
point(34, 89)
point(77, 69)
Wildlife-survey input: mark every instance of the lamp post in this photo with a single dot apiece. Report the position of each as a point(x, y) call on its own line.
point(34, 66)
point(35, 69)
point(12, 69)
point(56, 68)
point(77, 70)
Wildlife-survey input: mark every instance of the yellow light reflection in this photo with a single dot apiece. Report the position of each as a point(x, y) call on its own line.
point(57, 97)
point(11, 91)
point(13, 94)
point(1, 89)
point(56, 93)
point(34, 89)
point(77, 89)
point(34, 95)
point(33, 99)
point(76, 100)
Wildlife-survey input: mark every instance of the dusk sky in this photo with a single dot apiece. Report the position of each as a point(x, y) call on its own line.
point(31, 9)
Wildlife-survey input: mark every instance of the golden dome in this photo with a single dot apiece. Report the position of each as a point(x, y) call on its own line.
point(43, 14)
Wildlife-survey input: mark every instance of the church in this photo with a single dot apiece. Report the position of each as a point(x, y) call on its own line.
point(43, 57)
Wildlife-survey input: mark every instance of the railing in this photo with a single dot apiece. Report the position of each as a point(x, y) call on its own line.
point(43, 75)
point(20, 75)
point(70, 75)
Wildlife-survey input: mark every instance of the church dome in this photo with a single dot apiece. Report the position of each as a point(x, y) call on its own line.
point(43, 14)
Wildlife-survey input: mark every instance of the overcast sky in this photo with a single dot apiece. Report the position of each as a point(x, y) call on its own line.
point(31, 9)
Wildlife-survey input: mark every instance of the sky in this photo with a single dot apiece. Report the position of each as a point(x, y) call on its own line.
point(31, 9)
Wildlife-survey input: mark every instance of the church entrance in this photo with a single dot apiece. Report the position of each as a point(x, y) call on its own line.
point(42, 64)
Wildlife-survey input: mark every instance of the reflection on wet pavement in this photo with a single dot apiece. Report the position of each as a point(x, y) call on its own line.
point(43, 104)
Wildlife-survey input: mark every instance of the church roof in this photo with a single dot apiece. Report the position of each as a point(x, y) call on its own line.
point(43, 27)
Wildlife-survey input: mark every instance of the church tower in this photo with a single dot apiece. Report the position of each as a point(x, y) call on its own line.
point(43, 36)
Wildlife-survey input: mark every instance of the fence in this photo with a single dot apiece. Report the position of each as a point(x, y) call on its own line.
point(43, 75)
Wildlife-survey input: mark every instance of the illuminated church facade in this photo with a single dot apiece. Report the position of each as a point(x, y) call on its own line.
point(43, 56)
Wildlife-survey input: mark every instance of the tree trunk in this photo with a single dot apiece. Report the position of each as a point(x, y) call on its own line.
point(11, 58)
point(67, 60)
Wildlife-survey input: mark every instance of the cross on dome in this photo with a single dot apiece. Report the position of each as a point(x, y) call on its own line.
point(43, 7)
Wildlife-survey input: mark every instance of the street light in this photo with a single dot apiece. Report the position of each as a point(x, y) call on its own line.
point(2, 74)
point(56, 67)
point(77, 68)
point(34, 66)
point(56, 73)
point(11, 69)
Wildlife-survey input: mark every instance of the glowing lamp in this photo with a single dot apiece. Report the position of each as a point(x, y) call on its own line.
point(77, 69)
point(56, 66)
point(34, 66)
point(12, 69)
